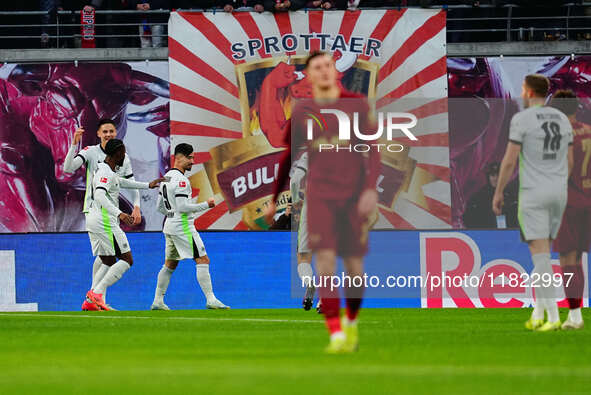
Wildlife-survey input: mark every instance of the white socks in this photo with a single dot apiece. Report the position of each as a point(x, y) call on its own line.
point(162, 284)
point(113, 275)
point(305, 273)
point(545, 296)
point(204, 280)
point(575, 315)
point(99, 269)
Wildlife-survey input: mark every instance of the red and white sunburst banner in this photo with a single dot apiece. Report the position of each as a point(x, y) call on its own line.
point(234, 75)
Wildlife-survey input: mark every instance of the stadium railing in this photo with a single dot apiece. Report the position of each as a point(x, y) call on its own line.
point(464, 24)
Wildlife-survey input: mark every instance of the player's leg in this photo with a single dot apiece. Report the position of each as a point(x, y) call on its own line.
point(353, 300)
point(306, 275)
point(545, 295)
point(172, 258)
point(326, 262)
point(305, 271)
point(204, 280)
point(162, 284)
point(121, 250)
point(534, 223)
point(574, 285)
point(573, 238)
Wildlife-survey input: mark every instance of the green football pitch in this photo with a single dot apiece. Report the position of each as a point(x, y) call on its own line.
point(412, 351)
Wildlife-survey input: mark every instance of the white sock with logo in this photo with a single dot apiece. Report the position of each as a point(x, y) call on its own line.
point(162, 283)
point(547, 295)
point(204, 280)
point(113, 275)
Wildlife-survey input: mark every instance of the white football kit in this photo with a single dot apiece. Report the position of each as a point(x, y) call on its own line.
point(544, 134)
point(102, 220)
point(182, 239)
point(90, 156)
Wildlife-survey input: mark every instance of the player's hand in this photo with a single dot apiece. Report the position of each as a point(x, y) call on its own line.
point(497, 203)
point(78, 136)
point(136, 215)
point(367, 202)
point(270, 212)
point(156, 182)
point(211, 202)
point(126, 219)
point(259, 8)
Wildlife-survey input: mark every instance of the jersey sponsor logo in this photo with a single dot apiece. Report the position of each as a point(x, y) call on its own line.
point(104, 179)
point(182, 184)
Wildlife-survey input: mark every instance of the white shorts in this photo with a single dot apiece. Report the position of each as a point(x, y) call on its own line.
point(181, 246)
point(303, 245)
point(540, 214)
point(109, 244)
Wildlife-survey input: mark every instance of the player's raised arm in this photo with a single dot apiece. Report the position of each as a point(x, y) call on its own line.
point(74, 159)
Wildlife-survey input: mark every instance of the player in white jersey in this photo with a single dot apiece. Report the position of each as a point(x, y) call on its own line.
point(182, 239)
point(297, 177)
point(541, 138)
point(90, 156)
point(102, 222)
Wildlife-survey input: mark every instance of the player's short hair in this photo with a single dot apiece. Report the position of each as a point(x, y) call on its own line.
point(184, 149)
point(113, 146)
point(538, 83)
point(313, 55)
point(105, 121)
point(566, 101)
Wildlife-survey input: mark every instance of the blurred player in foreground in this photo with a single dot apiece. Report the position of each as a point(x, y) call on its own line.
point(340, 195)
point(106, 237)
point(574, 236)
point(90, 157)
point(182, 239)
point(541, 138)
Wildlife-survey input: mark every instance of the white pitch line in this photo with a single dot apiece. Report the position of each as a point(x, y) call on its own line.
point(166, 318)
point(16, 314)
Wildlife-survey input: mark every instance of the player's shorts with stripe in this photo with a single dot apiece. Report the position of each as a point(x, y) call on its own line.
point(109, 243)
point(540, 213)
point(336, 225)
point(303, 236)
point(184, 246)
point(575, 231)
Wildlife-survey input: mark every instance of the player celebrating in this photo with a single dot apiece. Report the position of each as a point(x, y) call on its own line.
point(574, 236)
point(90, 157)
point(340, 195)
point(182, 239)
point(106, 237)
point(541, 137)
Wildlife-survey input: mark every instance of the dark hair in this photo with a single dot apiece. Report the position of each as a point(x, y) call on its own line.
point(113, 146)
point(566, 101)
point(493, 168)
point(184, 149)
point(538, 83)
point(105, 121)
point(313, 55)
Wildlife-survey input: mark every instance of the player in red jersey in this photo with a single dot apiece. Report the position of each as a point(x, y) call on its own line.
point(574, 236)
point(341, 193)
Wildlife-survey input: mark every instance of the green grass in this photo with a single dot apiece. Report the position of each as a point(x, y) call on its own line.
point(280, 352)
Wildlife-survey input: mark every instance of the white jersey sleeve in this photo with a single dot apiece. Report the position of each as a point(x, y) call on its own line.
point(73, 160)
point(516, 130)
point(126, 172)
